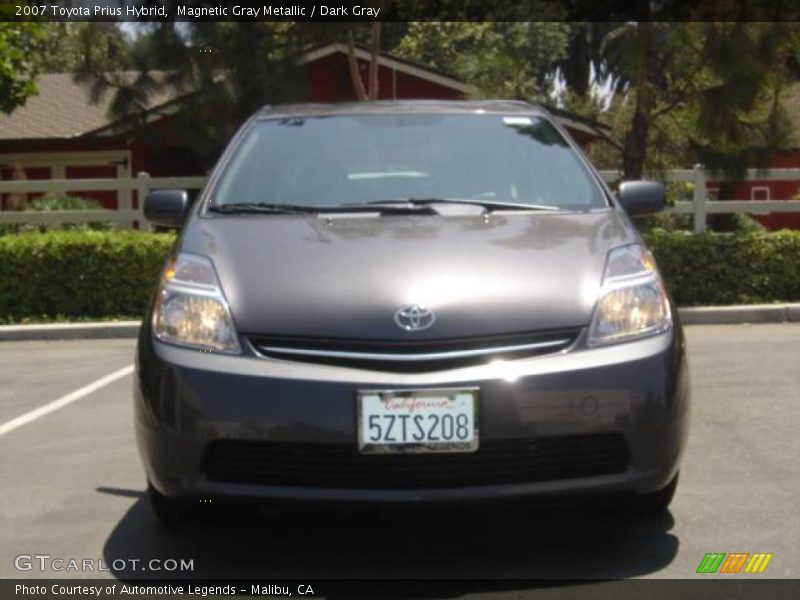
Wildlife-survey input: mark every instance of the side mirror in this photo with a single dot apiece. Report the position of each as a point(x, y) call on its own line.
point(642, 197)
point(166, 208)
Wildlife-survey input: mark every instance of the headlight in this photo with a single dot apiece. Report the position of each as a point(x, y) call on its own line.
point(633, 302)
point(191, 309)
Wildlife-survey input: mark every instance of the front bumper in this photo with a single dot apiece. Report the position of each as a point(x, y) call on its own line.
point(184, 400)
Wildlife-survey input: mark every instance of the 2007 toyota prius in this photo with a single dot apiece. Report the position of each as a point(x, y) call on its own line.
point(410, 302)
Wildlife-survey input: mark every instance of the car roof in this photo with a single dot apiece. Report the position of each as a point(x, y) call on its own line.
point(389, 107)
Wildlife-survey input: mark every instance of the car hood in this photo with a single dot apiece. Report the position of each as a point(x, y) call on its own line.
point(347, 276)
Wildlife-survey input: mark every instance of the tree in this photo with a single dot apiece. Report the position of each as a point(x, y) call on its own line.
point(584, 64)
point(715, 84)
point(501, 59)
point(737, 120)
point(70, 47)
point(224, 70)
point(19, 44)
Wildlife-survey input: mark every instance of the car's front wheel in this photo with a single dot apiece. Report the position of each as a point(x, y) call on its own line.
point(171, 513)
point(654, 502)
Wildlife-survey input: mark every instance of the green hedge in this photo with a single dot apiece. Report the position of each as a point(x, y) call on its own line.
point(744, 268)
point(66, 274)
point(102, 274)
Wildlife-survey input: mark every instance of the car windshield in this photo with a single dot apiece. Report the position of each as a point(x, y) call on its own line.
point(330, 161)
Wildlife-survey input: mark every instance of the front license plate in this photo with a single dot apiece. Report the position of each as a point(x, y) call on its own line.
point(398, 421)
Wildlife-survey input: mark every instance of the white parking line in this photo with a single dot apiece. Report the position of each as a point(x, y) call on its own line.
point(64, 400)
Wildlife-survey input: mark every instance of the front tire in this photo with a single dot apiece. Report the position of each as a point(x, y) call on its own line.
point(171, 513)
point(654, 502)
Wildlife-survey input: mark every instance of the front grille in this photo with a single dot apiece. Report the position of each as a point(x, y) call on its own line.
point(342, 466)
point(413, 356)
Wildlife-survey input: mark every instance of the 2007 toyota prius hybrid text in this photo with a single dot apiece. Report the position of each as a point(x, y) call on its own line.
point(413, 301)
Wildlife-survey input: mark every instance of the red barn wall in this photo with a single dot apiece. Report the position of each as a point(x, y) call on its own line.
point(778, 190)
point(328, 80)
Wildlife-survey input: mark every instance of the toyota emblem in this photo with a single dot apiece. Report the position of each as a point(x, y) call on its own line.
point(414, 318)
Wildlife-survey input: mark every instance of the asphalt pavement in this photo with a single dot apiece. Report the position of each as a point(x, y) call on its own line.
point(73, 487)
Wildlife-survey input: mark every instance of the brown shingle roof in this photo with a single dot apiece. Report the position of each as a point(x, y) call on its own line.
point(62, 109)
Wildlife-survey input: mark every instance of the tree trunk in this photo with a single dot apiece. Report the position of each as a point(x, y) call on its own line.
point(355, 73)
point(635, 150)
point(373, 63)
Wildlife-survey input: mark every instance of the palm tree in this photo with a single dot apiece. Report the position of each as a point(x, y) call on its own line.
point(719, 82)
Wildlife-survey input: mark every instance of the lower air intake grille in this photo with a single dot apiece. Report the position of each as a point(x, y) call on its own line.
point(342, 466)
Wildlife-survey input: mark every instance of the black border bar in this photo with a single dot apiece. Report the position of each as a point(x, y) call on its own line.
point(342, 11)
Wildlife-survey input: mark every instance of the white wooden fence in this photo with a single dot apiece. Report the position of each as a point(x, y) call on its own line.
point(142, 184)
point(700, 206)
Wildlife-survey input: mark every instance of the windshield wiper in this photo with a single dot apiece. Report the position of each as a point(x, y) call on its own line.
point(300, 209)
point(489, 205)
point(259, 207)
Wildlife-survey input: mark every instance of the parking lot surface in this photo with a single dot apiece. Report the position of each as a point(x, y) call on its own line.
point(73, 487)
